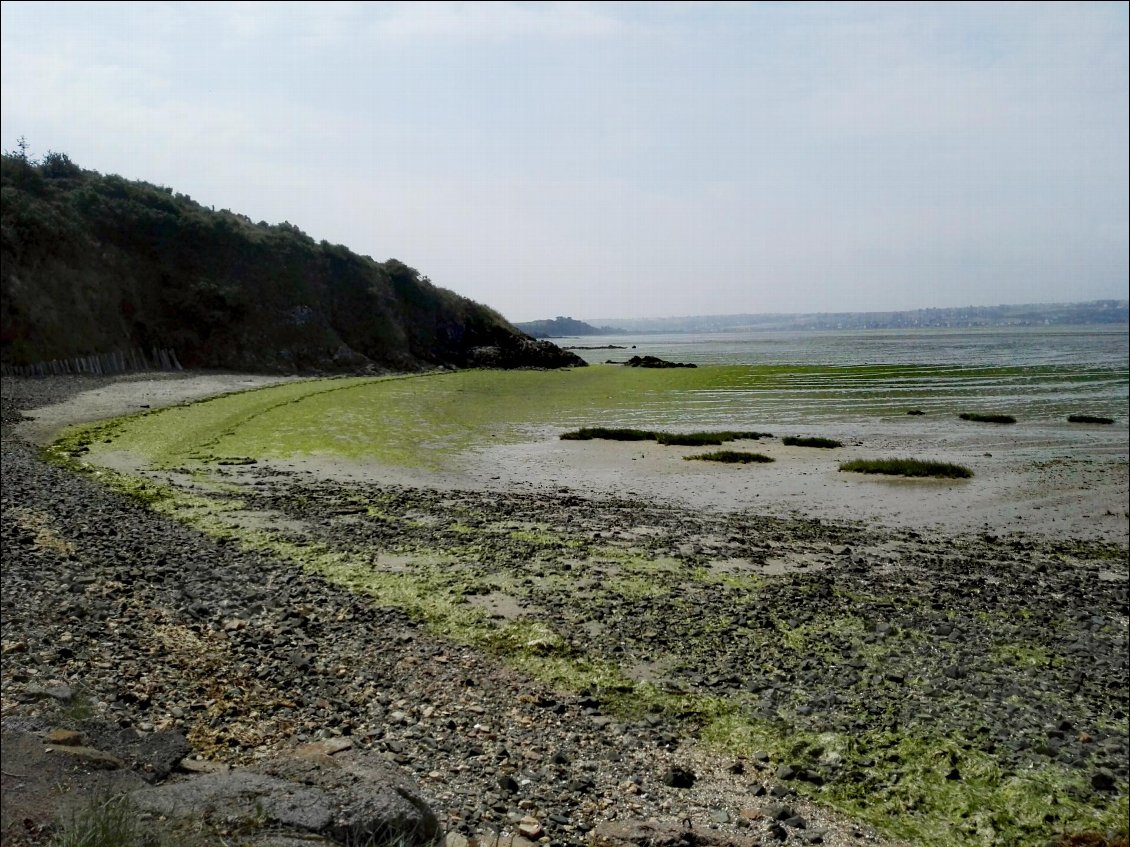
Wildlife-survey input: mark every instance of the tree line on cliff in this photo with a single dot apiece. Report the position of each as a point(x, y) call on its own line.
point(96, 263)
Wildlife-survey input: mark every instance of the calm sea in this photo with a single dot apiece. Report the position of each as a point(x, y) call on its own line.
point(1043, 373)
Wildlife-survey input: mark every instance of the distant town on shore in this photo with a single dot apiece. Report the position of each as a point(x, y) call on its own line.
point(1103, 312)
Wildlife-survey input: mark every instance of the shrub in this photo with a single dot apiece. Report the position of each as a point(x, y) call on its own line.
point(907, 467)
point(796, 441)
point(730, 456)
point(1091, 419)
point(979, 418)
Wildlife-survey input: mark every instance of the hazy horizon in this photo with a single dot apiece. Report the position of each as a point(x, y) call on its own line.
point(656, 159)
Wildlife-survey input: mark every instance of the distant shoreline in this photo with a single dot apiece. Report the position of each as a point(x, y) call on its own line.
point(1105, 313)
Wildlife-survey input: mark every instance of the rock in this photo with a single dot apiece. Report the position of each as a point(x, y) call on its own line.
point(1103, 779)
point(655, 362)
point(238, 796)
point(778, 812)
point(64, 738)
point(786, 772)
point(530, 827)
point(350, 811)
point(154, 756)
point(59, 692)
point(88, 755)
point(679, 777)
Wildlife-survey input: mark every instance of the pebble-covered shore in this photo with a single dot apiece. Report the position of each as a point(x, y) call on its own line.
point(1016, 645)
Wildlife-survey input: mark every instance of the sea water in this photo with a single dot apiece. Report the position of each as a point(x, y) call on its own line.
point(1042, 373)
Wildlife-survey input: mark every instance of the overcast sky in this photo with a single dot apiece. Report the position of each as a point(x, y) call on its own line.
point(621, 160)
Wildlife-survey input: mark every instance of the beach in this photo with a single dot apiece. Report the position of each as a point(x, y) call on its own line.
point(983, 619)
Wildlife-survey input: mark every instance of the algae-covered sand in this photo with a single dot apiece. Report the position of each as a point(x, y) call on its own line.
point(499, 430)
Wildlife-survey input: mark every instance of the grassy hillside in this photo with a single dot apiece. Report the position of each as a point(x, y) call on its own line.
point(94, 264)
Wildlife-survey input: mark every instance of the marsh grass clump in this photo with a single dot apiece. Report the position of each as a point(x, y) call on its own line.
point(742, 435)
point(907, 467)
point(1089, 419)
point(700, 439)
point(798, 441)
point(980, 418)
point(680, 439)
point(730, 457)
point(689, 439)
point(590, 432)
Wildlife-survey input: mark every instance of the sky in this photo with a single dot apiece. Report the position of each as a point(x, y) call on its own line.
point(603, 160)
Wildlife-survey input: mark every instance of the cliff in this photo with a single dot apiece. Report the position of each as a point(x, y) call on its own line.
point(94, 264)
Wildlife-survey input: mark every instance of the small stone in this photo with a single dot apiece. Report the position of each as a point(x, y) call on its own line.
point(786, 772)
point(679, 777)
point(94, 758)
point(530, 827)
point(778, 812)
point(1102, 779)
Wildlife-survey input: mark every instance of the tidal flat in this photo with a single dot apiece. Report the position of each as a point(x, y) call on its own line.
point(948, 674)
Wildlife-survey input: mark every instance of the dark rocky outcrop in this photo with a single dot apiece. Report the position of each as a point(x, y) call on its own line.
point(656, 362)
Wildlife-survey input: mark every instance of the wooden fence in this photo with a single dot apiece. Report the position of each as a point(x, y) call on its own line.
point(100, 364)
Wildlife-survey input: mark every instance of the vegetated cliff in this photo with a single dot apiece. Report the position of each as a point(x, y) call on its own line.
point(94, 264)
point(562, 327)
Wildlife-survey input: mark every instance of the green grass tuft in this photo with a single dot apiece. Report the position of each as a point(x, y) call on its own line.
point(797, 441)
point(101, 822)
point(980, 418)
point(1090, 419)
point(907, 467)
point(730, 456)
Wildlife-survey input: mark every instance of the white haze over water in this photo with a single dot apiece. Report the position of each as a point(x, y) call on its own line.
point(637, 159)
